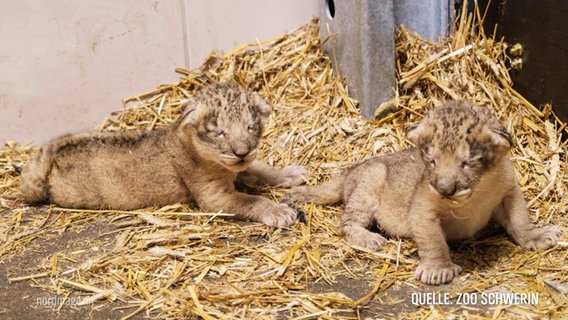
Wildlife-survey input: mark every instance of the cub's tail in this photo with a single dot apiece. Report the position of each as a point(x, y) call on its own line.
point(329, 192)
point(33, 178)
point(35, 173)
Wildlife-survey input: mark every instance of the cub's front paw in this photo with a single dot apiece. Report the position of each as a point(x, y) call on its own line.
point(541, 238)
point(292, 176)
point(433, 272)
point(278, 215)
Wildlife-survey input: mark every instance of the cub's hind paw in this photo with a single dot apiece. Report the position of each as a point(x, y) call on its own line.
point(541, 238)
point(362, 237)
point(434, 272)
point(292, 176)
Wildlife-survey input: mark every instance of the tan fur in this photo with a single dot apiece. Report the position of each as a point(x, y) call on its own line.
point(198, 159)
point(447, 188)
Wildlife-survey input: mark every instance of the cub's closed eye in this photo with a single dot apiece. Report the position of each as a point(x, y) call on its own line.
point(217, 133)
point(471, 163)
point(252, 127)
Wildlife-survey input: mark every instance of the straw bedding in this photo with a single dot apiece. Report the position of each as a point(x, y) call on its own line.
point(176, 262)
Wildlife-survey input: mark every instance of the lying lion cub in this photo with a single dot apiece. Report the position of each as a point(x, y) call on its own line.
point(198, 158)
point(446, 188)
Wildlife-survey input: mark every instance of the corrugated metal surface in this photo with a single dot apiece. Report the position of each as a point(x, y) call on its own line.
point(364, 40)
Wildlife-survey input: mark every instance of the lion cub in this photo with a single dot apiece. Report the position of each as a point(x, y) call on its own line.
point(198, 158)
point(446, 188)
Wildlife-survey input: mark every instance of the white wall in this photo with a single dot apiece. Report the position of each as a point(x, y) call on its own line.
point(227, 24)
point(65, 64)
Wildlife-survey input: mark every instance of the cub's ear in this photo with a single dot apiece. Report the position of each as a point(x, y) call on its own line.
point(414, 133)
point(499, 136)
point(264, 108)
point(493, 129)
point(192, 112)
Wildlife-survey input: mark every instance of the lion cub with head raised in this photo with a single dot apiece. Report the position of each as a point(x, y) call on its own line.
point(198, 158)
point(447, 188)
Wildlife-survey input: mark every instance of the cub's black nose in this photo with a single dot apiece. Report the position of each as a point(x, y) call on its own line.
point(444, 187)
point(241, 152)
